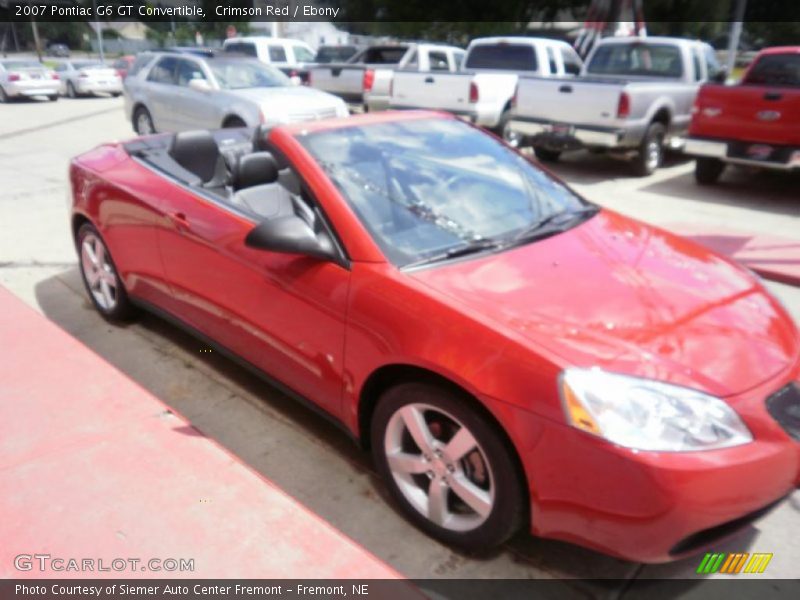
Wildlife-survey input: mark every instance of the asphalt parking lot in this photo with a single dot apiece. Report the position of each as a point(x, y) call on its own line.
point(297, 450)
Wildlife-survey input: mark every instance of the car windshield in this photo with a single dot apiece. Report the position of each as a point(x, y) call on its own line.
point(776, 69)
point(22, 64)
point(651, 60)
point(242, 74)
point(430, 186)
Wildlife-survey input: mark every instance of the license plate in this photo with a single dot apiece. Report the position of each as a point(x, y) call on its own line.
point(759, 151)
point(562, 129)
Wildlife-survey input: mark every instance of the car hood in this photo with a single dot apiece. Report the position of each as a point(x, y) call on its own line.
point(290, 99)
point(629, 298)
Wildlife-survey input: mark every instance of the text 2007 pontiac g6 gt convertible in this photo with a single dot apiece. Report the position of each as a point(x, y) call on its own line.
point(512, 355)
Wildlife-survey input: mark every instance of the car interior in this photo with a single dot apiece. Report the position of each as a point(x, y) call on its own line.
point(235, 167)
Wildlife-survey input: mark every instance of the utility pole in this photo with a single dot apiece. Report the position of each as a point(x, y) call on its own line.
point(735, 35)
point(36, 41)
point(99, 31)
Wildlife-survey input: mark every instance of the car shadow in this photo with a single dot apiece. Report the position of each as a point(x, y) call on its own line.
point(63, 301)
point(767, 191)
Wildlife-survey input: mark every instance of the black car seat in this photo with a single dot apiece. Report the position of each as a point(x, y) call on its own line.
point(197, 152)
point(256, 187)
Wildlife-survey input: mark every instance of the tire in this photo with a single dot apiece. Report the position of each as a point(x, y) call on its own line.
point(651, 151)
point(142, 121)
point(504, 131)
point(115, 94)
point(3, 96)
point(100, 277)
point(545, 155)
point(708, 170)
point(233, 122)
point(53, 98)
point(71, 93)
point(486, 473)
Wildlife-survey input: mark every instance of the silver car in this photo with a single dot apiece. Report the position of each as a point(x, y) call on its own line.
point(88, 77)
point(178, 92)
point(23, 78)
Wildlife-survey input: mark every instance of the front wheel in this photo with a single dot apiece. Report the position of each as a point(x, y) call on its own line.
point(53, 97)
point(447, 467)
point(651, 151)
point(707, 171)
point(100, 276)
point(546, 155)
point(143, 122)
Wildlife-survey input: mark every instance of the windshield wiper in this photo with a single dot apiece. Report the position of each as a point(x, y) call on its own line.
point(472, 247)
point(552, 224)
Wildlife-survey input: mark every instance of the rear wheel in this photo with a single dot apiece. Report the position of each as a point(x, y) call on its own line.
point(115, 94)
point(546, 155)
point(446, 466)
point(511, 137)
point(100, 276)
point(233, 122)
point(142, 121)
point(651, 151)
point(53, 97)
point(707, 171)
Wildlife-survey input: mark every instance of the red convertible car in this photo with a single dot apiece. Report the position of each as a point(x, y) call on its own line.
point(513, 355)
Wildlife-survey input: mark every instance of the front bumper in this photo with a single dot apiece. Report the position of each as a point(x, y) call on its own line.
point(653, 506)
point(783, 158)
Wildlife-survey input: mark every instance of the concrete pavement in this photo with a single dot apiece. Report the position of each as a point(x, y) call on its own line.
point(308, 458)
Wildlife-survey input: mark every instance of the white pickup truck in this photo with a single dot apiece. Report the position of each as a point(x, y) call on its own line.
point(482, 89)
point(366, 79)
point(634, 96)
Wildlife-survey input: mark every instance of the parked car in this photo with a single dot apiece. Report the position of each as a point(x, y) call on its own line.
point(430, 59)
point(88, 77)
point(60, 50)
point(483, 90)
point(292, 57)
point(634, 95)
point(755, 123)
point(335, 54)
point(353, 79)
point(176, 92)
point(512, 355)
point(21, 78)
point(123, 65)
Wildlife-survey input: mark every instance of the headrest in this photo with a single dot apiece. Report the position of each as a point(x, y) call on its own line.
point(257, 168)
point(196, 151)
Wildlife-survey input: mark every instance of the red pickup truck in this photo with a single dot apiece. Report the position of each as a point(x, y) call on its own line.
point(755, 123)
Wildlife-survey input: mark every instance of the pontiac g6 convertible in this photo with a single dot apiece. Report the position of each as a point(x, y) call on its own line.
point(512, 355)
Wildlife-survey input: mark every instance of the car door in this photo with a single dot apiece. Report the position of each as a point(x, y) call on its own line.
point(196, 109)
point(160, 94)
point(283, 313)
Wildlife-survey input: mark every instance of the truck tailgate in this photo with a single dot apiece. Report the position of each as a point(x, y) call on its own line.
point(438, 91)
point(569, 101)
point(345, 81)
point(768, 115)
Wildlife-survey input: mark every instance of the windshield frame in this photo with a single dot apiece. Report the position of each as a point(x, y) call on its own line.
point(549, 191)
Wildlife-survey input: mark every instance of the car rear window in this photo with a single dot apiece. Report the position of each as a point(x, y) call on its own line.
point(327, 54)
point(384, 56)
point(502, 57)
point(775, 69)
point(651, 60)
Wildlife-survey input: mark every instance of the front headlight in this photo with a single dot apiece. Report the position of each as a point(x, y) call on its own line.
point(648, 415)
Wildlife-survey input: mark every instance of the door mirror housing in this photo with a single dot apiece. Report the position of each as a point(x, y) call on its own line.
point(200, 85)
point(290, 235)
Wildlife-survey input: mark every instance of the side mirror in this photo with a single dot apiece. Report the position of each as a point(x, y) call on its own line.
point(290, 235)
point(199, 85)
point(720, 76)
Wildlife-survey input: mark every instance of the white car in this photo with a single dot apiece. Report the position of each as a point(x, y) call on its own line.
point(22, 78)
point(290, 56)
point(178, 92)
point(84, 77)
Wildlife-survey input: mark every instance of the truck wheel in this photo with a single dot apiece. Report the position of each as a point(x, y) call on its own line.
point(708, 170)
point(512, 138)
point(545, 155)
point(651, 150)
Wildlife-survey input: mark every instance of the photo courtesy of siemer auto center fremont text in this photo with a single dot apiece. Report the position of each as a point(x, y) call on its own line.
point(400, 299)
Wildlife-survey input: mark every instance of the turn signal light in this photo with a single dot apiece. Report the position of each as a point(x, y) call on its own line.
point(576, 413)
point(369, 79)
point(473, 93)
point(624, 106)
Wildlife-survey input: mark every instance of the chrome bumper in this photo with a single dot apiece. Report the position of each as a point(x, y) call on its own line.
point(719, 150)
point(587, 137)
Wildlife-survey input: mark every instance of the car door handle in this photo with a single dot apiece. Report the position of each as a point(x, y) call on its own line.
point(429, 80)
point(179, 220)
point(565, 89)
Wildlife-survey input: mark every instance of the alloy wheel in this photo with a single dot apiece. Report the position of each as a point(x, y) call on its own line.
point(101, 278)
point(439, 467)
